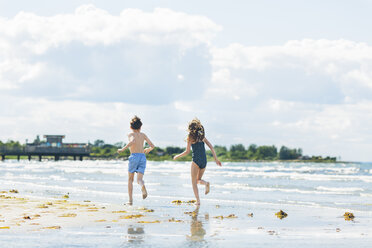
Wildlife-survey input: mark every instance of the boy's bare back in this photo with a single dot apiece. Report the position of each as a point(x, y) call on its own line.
point(137, 140)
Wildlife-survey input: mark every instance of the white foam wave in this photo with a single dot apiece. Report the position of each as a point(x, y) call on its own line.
point(297, 176)
point(287, 190)
point(23, 177)
point(99, 182)
point(62, 189)
point(111, 171)
point(365, 195)
point(339, 189)
point(122, 183)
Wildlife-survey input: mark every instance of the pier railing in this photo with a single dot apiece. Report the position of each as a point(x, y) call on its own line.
point(65, 150)
point(57, 150)
point(12, 150)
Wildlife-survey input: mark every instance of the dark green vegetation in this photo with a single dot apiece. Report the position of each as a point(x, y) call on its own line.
point(11, 144)
point(99, 149)
point(235, 153)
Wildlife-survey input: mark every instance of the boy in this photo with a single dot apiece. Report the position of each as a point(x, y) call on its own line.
point(137, 159)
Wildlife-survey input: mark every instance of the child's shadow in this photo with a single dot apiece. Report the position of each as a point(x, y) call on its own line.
point(196, 229)
point(135, 234)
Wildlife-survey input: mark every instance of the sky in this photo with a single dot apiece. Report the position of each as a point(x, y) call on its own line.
point(294, 73)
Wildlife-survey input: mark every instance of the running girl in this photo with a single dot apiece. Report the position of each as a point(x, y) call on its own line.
point(196, 140)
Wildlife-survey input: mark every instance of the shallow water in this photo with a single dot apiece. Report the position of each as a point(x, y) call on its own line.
point(314, 195)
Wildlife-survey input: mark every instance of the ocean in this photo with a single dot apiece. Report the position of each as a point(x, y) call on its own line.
point(314, 195)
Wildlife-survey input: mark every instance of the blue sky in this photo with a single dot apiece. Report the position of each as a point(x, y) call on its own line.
point(294, 73)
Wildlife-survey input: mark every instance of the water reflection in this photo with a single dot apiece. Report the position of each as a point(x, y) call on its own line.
point(136, 234)
point(196, 228)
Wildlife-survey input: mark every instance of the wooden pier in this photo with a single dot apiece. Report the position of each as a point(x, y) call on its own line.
point(53, 147)
point(56, 152)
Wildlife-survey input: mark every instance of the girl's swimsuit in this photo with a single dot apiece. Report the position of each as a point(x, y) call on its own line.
point(198, 154)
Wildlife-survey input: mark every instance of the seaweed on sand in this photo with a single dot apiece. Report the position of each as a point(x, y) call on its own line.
point(281, 214)
point(349, 216)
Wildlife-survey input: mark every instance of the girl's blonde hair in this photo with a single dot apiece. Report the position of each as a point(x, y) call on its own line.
point(196, 131)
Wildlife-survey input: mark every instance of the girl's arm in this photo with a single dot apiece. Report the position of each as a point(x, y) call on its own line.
point(187, 151)
point(147, 150)
point(131, 142)
point(218, 162)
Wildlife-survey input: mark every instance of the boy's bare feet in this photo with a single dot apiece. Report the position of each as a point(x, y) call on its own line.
point(130, 203)
point(144, 192)
point(207, 188)
point(197, 203)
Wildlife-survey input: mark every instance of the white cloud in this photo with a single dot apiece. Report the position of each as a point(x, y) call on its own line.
point(313, 53)
point(185, 107)
point(87, 121)
point(92, 26)
point(84, 74)
point(180, 77)
point(347, 63)
point(92, 55)
point(224, 85)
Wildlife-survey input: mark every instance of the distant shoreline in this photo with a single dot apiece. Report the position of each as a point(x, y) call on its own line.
point(99, 150)
point(113, 158)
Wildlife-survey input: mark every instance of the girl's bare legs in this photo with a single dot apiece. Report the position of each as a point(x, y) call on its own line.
point(194, 180)
point(130, 187)
point(200, 181)
point(142, 184)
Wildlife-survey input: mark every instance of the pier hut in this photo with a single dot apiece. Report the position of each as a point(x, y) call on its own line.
point(53, 146)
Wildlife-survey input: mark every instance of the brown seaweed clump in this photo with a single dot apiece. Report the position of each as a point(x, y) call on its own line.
point(281, 214)
point(179, 202)
point(119, 211)
point(147, 210)
point(174, 220)
point(231, 216)
point(133, 216)
point(154, 221)
point(68, 215)
point(193, 213)
point(349, 216)
point(52, 227)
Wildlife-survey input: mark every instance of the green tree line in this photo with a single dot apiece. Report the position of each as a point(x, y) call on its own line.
point(11, 144)
point(237, 152)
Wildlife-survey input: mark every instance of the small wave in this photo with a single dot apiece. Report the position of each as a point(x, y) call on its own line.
point(297, 176)
point(304, 169)
point(62, 189)
point(339, 189)
point(100, 182)
point(365, 195)
point(23, 176)
point(123, 183)
point(111, 171)
point(287, 190)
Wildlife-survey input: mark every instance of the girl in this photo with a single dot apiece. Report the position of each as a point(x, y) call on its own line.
point(196, 139)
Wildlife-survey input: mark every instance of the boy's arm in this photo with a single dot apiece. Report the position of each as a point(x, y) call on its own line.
point(131, 142)
point(213, 152)
point(187, 151)
point(147, 150)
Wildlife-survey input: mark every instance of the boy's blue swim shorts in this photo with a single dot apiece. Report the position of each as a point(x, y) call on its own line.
point(137, 163)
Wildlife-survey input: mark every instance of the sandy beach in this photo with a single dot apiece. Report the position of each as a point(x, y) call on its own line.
point(64, 204)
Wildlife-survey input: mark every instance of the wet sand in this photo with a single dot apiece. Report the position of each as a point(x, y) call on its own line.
point(240, 211)
point(181, 222)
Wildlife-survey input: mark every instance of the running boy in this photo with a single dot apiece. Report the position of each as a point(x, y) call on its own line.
point(137, 159)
